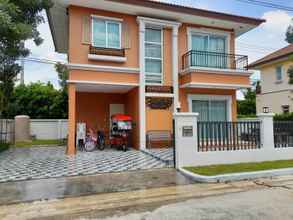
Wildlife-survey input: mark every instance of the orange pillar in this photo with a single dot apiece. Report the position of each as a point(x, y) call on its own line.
point(71, 119)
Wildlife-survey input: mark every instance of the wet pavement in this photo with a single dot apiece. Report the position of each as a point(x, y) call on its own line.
point(56, 188)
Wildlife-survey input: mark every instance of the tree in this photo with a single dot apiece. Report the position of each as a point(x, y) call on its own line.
point(18, 22)
point(289, 34)
point(247, 107)
point(38, 100)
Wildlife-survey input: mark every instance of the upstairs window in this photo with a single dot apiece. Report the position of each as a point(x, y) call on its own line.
point(153, 56)
point(209, 50)
point(106, 33)
point(279, 73)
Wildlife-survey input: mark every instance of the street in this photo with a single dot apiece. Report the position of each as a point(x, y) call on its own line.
point(259, 199)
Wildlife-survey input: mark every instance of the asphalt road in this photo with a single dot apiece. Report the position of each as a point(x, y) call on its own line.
point(266, 204)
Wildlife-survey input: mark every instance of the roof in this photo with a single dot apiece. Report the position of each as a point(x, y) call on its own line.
point(284, 52)
point(192, 10)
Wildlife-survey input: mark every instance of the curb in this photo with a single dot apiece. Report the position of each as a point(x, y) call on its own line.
point(236, 176)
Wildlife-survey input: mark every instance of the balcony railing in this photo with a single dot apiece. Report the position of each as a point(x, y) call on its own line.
point(195, 58)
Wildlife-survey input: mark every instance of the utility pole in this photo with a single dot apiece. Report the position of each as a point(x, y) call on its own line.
point(22, 67)
point(22, 71)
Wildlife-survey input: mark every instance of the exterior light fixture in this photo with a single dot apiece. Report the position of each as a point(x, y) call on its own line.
point(265, 109)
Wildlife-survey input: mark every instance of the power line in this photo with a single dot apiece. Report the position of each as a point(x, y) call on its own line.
point(268, 4)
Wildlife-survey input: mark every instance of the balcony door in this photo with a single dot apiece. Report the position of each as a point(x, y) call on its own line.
point(209, 50)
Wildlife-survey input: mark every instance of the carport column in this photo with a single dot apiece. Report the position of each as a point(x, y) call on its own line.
point(71, 119)
point(267, 130)
point(175, 67)
point(185, 139)
point(142, 114)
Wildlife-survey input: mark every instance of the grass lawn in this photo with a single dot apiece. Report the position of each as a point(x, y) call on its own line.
point(37, 142)
point(240, 167)
point(3, 147)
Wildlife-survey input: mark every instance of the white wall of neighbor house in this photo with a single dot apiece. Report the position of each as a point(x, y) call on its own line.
point(269, 81)
point(49, 129)
point(274, 101)
point(187, 153)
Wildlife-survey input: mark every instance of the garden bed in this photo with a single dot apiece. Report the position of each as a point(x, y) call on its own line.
point(38, 143)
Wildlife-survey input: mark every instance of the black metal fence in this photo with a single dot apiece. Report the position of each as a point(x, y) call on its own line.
point(283, 134)
point(195, 58)
point(6, 131)
point(228, 136)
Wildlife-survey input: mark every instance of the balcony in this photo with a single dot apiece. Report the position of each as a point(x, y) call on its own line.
point(214, 60)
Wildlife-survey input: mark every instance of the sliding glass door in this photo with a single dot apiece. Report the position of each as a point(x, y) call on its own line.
point(210, 110)
point(209, 51)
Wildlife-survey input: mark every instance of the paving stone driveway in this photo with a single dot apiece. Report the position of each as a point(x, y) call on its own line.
point(45, 162)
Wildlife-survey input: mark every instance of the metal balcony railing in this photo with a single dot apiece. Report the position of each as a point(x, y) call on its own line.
point(196, 58)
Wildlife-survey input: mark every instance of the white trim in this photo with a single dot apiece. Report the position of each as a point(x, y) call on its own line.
point(142, 110)
point(217, 71)
point(107, 58)
point(215, 85)
point(77, 66)
point(107, 18)
point(227, 98)
point(102, 83)
point(155, 94)
point(158, 22)
point(175, 75)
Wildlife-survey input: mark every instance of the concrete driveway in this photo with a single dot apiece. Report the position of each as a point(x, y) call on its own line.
point(51, 162)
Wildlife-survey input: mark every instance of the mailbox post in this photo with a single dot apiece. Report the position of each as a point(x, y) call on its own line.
point(185, 138)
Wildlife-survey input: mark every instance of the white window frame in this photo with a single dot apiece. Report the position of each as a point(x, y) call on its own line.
point(226, 98)
point(208, 32)
point(282, 70)
point(107, 20)
point(155, 58)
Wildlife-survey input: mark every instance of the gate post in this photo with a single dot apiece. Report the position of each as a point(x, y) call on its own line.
point(267, 130)
point(185, 138)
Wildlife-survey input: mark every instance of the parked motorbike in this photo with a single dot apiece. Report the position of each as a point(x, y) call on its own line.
point(94, 140)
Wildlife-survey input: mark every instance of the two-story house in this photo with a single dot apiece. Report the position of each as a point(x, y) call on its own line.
point(148, 59)
point(276, 93)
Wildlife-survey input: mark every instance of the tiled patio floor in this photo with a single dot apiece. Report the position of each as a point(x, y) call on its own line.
point(45, 162)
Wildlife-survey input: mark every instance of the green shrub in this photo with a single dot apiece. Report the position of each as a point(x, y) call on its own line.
point(3, 147)
point(239, 116)
point(284, 117)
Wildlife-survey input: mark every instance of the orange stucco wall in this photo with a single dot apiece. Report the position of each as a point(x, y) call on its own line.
point(94, 109)
point(183, 93)
point(157, 119)
point(78, 52)
point(199, 77)
point(132, 109)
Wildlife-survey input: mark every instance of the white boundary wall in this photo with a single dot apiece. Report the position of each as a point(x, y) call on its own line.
point(49, 129)
point(187, 153)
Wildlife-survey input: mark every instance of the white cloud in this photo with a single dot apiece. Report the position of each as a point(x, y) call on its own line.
point(276, 21)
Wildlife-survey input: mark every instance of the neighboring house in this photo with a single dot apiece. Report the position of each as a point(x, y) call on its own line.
point(148, 59)
point(276, 93)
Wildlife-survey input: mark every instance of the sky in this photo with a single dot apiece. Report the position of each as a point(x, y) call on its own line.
point(257, 43)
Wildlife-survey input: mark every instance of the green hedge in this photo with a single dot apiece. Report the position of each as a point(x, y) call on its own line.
point(284, 117)
point(3, 147)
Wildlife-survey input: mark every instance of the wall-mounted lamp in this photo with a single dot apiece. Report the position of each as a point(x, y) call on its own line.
point(265, 109)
